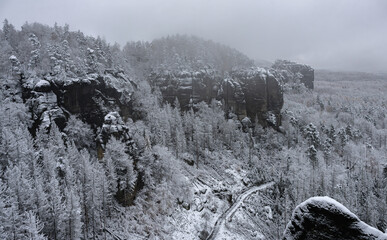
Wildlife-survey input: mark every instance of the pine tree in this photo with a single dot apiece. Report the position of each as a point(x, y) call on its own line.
point(55, 59)
point(343, 137)
point(178, 130)
point(79, 132)
point(327, 146)
point(91, 61)
point(312, 135)
point(11, 219)
point(312, 154)
point(68, 63)
point(110, 187)
point(19, 184)
point(124, 171)
point(6, 29)
point(35, 53)
point(33, 227)
point(4, 210)
point(54, 194)
point(92, 201)
point(41, 202)
point(10, 34)
point(84, 175)
point(72, 224)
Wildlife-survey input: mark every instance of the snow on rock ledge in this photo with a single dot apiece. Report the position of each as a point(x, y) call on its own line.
point(325, 218)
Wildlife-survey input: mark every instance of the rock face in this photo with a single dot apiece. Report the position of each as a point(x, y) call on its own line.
point(43, 103)
point(290, 71)
point(188, 87)
point(324, 218)
point(54, 98)
point(263, 96)
point(113, 126)
point(252, 93)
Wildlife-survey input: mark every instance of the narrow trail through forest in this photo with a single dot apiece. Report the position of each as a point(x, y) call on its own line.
point(227, 215)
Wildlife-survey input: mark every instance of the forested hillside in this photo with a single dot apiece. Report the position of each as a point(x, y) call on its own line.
point(89, 149)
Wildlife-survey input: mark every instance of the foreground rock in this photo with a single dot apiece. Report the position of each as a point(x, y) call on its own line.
point(324, 218)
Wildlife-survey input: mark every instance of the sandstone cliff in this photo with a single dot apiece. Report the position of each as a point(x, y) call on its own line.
point(253, 93)
point(54, 98)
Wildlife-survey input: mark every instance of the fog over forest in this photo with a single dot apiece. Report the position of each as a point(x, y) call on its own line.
point(345, 35)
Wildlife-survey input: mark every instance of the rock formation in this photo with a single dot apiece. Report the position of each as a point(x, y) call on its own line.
point(263, 95)
point(324, 218)
point(188, 87)
point(54, 98)
point(113, 126)
point(288, 71)
point(253, 93)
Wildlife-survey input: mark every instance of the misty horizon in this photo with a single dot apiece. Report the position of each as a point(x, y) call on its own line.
point(344, 36)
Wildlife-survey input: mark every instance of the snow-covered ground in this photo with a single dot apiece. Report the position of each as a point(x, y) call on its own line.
point(227, 216)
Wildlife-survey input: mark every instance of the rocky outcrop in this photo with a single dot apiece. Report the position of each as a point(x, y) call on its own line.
point(54, 98)
point(43, 103)
point(113, 126)
point(253, 93)
point(188, 87)
point(288, 71)
point(324, 218)
point(263, 95)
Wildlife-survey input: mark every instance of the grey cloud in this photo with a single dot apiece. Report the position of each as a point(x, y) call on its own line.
point(346, 34)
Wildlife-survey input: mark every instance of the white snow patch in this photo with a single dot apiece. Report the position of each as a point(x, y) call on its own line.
point(42, 83)
point(13, 58)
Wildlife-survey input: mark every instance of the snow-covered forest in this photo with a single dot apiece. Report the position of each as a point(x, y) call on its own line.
point(129, 165)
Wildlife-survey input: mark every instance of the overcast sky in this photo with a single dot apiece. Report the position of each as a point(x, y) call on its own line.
point(329, 34)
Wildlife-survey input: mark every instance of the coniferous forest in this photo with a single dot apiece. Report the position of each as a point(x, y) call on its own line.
point(157, 140)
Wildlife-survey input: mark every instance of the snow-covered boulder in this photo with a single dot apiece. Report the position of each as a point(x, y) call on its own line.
point(325, 218)
point(42, 85)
